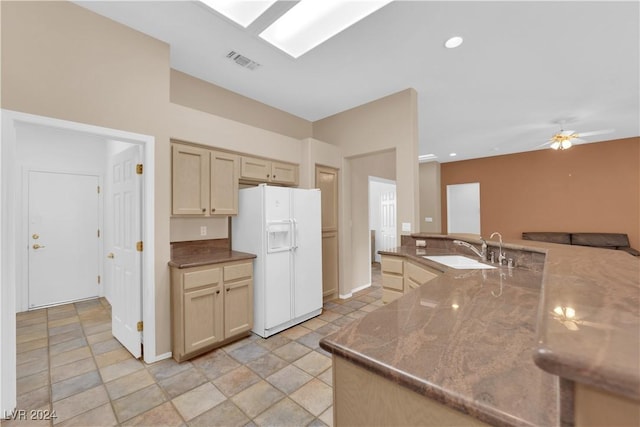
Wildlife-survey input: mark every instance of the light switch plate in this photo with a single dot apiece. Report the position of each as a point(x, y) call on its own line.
point(406, 226)
point(203, 230)
point(428, 219)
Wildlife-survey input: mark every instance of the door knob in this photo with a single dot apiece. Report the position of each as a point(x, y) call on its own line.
point(111, 255)
point(37, 246)
point(35, 236)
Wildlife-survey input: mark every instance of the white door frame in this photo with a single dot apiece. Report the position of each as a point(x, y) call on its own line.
point(9, 212)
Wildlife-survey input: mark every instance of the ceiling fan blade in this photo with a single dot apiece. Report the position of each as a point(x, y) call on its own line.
point(596, 132)
point(566, 132)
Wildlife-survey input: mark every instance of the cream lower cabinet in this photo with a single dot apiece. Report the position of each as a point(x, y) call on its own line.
point(400, 275)
point(210, 306)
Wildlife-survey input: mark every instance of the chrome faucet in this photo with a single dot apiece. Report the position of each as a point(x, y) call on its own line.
point(501, 255)
point(481, 253)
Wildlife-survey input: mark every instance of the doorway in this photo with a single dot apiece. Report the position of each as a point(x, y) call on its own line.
point(64, 243)
point(382, 215)
point(13, 228)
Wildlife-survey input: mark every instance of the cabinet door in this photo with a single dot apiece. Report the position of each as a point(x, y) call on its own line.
point(224, 184)
point(253, 169)
point(189, 180)
point(202, 318)
point(283, 173)
point(238, 307)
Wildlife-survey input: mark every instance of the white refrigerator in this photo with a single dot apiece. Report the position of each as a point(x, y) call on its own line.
point(282, 227)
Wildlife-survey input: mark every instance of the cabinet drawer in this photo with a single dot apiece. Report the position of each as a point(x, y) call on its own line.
point(238, 271)
point(392, 281)
point(391, 265)
point(418, 274)
point(194, 279)
point(389, 295)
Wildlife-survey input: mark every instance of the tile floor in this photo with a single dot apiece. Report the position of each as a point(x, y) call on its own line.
point(69, 363)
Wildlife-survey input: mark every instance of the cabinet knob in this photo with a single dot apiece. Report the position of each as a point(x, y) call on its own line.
point(218, 291)
point(228, 289)
point(204, 210)
point(274, 176)
point(213, 209)
point(267, 175)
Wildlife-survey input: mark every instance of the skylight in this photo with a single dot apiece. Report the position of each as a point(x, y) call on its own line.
point(312, 22)
point(243, 12)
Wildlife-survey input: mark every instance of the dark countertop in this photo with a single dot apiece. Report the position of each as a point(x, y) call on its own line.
point(213, 257)
point(477, 357)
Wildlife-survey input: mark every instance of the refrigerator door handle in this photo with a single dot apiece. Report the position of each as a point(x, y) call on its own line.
point(294, 230)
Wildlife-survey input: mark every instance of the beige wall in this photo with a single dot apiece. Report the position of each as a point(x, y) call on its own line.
point(60, 60)
point(430, 197)
point(389, 123)
point(314, 153)
point(200, 95)
point(589, 188)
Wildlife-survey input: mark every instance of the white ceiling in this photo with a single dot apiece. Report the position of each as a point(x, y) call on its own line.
point(524, 66)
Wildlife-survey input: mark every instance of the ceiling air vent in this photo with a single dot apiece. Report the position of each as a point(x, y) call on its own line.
point(243, 61)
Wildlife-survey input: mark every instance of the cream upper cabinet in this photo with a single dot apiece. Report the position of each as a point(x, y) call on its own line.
point(260, 170)
point(204, 182)
point(189, 180)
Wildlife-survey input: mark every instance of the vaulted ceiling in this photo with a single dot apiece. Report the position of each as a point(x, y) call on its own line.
point(525, 69)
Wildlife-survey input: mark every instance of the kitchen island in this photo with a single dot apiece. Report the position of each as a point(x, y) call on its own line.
point(468, 346)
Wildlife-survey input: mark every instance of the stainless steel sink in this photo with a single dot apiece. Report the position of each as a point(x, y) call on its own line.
point(459, 262)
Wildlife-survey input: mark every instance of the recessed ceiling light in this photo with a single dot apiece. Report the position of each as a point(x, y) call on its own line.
point(453, 42)
point(241, 12)
point(453, 154)
point(310, 23)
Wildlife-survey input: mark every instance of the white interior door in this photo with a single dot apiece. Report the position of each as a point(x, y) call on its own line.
point(64, 214)
point(463, 208)
point(124, 257)
point(388, 219)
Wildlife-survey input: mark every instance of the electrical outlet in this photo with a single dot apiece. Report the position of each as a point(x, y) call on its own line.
point(428, 219)
point(203, 230)
point(421, 243)
point(406, 226)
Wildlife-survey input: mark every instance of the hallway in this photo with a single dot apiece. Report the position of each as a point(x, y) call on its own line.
point(70, 366)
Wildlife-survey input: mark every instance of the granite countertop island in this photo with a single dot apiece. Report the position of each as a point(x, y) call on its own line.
point(476, 340)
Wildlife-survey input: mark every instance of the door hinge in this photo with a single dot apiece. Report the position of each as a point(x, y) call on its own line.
point(139, 168)
point(98, 233)
point(98, 280)
point(98, 189)
point(139, 246)
point(140, 326)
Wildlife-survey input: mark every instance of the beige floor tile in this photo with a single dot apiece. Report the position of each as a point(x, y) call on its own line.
point(34, 399)
point(314, 323)
point(70, 356)
point(284, 413)
point(102, 416)
point(33, 314)
point(138, 402)
point(73, 369)
point(32, 356)
point(327, 416)
point(65, 329)
point(59, 338)
point(215, 363)
point(100, 336)
point(315, 396)
point(289, 379)
point(22, 347)
point(292, 351)
point(117, 370)
point(257, 398)
point(182, 382)
point(106, 346)
point(112, 357)
point(267, 364)
point(63, 321)
point(329, 316)
point(236, 380)
point(74, 385)
point(26, 337)
point(68, 345)
point(80, 403)
point(32, 382)
point(167, 368)
point(129, 383)
point(273, 342)
point(327, 376)
point(97, 328)
point(33, 367)
point(164, 415)
point(225, 414)
point(295, 332)
point(197, 401)
point(313, 363)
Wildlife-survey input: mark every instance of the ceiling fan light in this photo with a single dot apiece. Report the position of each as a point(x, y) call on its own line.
point(566, 144)
point(555, 145)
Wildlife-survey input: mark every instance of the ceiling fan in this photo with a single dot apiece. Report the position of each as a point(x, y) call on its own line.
point(567, 138)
